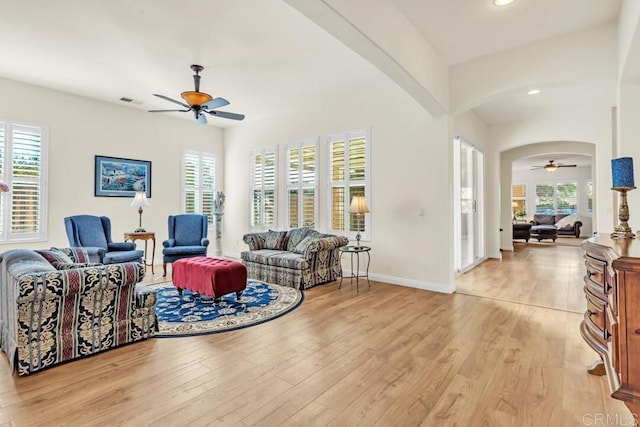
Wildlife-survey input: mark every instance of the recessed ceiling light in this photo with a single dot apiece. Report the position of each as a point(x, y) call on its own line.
point(533, 92)
point(502, 2)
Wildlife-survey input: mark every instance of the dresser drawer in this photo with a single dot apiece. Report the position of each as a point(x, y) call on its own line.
point(595, 271)
point(595, 317)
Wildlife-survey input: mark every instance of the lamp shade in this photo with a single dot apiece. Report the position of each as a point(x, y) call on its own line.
point(622, 172)
point(358, 205)
point(140, 200)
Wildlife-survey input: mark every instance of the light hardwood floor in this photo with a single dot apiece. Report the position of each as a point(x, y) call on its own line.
point(387, 356)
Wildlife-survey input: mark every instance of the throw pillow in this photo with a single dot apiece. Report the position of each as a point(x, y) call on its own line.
point(568, 220)
point(55, 257)
point(303, 245)
point(274, 240)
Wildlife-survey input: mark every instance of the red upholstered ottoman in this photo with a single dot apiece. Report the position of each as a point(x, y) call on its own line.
point(210, 276)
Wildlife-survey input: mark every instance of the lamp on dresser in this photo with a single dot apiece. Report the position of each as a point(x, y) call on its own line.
point(622, 177)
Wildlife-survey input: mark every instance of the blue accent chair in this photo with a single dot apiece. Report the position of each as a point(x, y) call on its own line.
point(94, 234)
point(187, 238)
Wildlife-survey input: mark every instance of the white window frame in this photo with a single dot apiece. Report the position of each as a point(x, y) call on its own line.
point(301, 186)
point(7, 198)
point(588, 213)
point(346, 183)
point(263, 151)
point(200, 188)
point(524, 199)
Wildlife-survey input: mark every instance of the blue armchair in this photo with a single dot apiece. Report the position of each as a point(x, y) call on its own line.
point(187, 238)
point(94, 234)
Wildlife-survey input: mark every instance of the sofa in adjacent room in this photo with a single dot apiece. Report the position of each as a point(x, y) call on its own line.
point(566, 224)
point(55, 306)
point(298, 258)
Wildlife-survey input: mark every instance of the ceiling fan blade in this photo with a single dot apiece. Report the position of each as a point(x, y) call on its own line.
point(537, 167)
point(567, 166)
point(215, 103)
point(227, 115)
point(167, 111)
point(201, 118)
point(166, 98)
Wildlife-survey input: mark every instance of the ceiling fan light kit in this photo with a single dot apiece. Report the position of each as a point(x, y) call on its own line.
point(552, 166)
point(196, 98)
point(199, 102)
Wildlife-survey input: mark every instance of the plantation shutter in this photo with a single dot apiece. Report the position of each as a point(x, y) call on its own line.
point(338, 207)
point(191, 182)
point(26, 164)
point(199, 187)
point(263, 183)
point(302, 184)
point(349, 176)
point(208, 189)
point(2, 177)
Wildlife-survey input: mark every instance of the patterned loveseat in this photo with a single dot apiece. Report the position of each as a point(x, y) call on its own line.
point(299, 258)
point(55, 306)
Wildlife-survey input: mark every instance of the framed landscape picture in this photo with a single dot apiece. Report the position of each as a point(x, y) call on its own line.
point(116, 177)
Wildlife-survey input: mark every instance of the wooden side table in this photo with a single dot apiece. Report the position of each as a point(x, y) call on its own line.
point(146, 236)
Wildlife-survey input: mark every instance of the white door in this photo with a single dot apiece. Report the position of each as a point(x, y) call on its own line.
point(468, 208)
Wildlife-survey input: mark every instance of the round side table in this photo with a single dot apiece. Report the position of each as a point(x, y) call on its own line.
point(356, 251)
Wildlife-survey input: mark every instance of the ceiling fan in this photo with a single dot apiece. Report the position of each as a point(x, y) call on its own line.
point(551, 166)
point(199, 102)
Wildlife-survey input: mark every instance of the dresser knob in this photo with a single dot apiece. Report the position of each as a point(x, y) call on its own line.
point(637, 331)
point(607, 335)
point(590, 313)
point(589, 273)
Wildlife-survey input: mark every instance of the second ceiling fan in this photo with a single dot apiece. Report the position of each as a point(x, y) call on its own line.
point(199, 102)
point(552, 166)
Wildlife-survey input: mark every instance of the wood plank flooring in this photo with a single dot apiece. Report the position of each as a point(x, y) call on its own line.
point(389, 355)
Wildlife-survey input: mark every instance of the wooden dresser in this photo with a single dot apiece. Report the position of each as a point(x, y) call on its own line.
point(611, 324)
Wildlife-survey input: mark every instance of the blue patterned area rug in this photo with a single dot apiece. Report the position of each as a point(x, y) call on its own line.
point(194, 314)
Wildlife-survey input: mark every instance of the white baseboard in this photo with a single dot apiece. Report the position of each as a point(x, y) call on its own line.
point(411, 283)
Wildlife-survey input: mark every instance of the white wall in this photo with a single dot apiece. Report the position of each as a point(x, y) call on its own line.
point(540, 176)
point(410, 156)
point(79, 129)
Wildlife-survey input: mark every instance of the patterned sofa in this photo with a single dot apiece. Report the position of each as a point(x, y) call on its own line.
point(299, 258)
point(55, 306)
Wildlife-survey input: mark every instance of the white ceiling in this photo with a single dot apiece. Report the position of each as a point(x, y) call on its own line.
point(262, 55)
point(462, 30)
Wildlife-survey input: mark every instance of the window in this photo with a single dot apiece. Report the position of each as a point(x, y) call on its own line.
point(199, 184)
point(557, 198)
point(519, 200)
point(590, 198)
point(302, 184)
point(264, 171)
point(349, 176)
point(567, 198)
point(23, 166)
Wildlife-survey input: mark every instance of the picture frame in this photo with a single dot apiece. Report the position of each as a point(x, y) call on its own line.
point(120, 177)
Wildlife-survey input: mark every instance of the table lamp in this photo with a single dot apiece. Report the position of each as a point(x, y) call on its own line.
point(359, 207)
point(622, 177)
point(139, 201)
